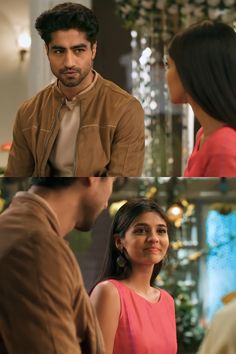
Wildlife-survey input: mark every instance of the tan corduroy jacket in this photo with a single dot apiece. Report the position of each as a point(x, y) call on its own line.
point(110, 138)
point(44, 307)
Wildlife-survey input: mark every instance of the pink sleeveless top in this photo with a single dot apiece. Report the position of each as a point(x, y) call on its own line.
point(144, 327)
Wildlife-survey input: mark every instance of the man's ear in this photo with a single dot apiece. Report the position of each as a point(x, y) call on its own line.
point(94, 50)
point(91, 180)
point(46, 48)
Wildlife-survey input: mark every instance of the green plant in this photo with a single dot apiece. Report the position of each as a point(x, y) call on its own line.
point(165, 17)
point(190, 331)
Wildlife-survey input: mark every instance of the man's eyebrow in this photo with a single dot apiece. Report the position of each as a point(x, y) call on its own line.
point(80, 45)
point(57, 47)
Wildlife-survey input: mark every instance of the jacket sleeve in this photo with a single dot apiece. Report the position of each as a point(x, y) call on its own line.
point(43, 303)
point(127, 151)
point(20, 161)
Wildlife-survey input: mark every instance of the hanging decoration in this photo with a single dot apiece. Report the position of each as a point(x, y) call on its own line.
point(166, 17)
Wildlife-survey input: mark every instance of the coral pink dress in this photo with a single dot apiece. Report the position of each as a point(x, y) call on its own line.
point(145, 327)
point(217, 156)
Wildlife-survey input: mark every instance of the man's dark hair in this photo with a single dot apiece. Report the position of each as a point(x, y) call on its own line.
point(67, 16)
point(54, 182)
point(205, 58)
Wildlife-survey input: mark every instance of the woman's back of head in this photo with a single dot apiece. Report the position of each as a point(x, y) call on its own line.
point(205, 58)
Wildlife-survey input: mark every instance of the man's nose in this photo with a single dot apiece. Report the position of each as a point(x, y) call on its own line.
point(69, 59)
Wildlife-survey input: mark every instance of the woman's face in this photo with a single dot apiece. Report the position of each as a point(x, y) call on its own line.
point(146, 241)
point(176, 90)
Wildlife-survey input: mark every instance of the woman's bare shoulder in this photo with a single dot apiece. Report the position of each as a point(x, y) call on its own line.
point(105, 289)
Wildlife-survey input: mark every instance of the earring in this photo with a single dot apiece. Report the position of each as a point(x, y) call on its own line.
point(120, 260)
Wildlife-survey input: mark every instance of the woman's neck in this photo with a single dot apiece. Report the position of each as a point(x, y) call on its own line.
point(208, 123)
point(139, 280)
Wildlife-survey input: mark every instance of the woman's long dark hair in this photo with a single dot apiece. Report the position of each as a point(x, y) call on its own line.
point(122, 221)
point(205, 58)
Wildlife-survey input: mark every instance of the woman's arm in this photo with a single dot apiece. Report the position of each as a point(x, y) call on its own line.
point(106, 301)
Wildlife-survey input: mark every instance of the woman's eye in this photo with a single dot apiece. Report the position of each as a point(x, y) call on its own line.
point(140, 230)
point(161, 231)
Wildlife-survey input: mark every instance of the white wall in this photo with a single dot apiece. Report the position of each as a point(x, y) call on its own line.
point(14, 17)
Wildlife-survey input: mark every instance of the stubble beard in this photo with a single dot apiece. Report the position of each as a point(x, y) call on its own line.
point(72, 81)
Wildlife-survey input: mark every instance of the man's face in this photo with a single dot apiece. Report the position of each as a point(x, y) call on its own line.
point(71, 57)
point(96, 201)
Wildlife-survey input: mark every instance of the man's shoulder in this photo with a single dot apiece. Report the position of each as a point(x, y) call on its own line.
point(43, 94)
point(109, 87)
point(227, 311)
point(27, 229)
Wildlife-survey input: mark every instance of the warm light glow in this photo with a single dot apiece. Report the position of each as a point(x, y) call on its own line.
point(175, 214)
point(2, 204)
point(176, 210)
point(114, 207)
point(5, 147)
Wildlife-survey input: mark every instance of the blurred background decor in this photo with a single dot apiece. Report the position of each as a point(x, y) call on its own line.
point(169, 129)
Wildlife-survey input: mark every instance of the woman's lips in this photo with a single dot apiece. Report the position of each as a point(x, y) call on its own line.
point(153, 249)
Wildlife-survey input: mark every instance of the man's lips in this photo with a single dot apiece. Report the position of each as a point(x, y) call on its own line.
point(70, 72)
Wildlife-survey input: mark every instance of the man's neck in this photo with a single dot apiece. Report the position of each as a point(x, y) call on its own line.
point(58, 201)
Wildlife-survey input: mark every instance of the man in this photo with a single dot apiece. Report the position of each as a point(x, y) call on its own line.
point(221, 338)
point(44, 307)
point(82, 125)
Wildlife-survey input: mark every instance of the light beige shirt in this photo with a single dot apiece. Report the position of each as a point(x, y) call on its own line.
point(221, 338)
point(63, 153)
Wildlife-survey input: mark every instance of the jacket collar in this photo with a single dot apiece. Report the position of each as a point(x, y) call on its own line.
point(88, 91)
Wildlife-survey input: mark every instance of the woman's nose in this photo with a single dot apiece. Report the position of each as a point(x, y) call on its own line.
point(153, 236)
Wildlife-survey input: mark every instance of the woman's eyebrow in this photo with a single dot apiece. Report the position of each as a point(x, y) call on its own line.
point(146, 224)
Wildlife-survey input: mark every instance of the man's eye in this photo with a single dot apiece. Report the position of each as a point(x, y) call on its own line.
point(79, 50)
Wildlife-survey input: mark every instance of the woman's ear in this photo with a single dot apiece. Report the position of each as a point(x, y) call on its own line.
point(118, 242)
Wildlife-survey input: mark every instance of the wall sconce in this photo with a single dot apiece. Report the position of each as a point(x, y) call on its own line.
point(24, 43)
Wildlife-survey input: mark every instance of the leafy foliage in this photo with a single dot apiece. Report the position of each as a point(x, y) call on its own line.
point(166, 17)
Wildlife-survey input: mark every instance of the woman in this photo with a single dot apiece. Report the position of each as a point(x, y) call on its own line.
point(202, 72)
point(136, 317)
